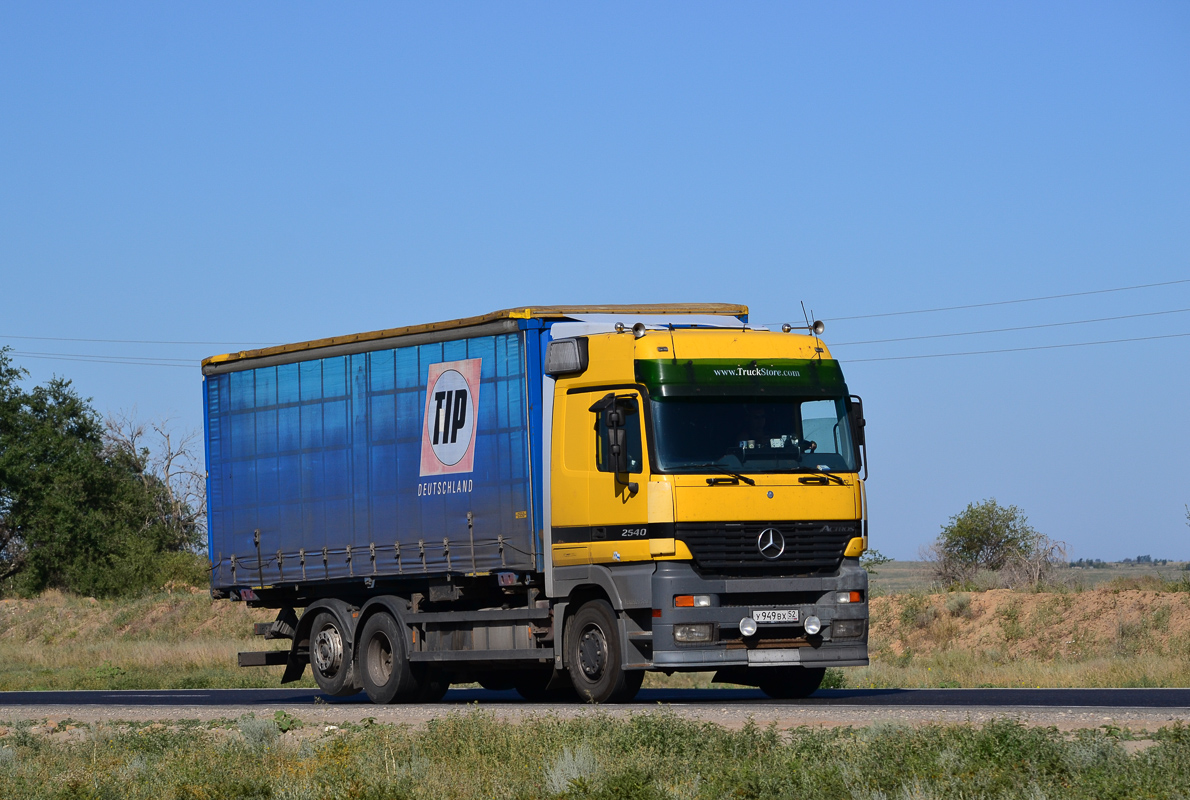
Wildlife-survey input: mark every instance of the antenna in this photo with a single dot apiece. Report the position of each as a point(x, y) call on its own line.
point(803, 302)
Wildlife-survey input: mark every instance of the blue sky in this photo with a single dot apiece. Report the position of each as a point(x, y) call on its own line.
point(251, 173)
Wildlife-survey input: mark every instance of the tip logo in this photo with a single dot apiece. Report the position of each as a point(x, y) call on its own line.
point(448, 430)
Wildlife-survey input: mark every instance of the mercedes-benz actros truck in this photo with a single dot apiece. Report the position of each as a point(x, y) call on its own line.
point(553, 499)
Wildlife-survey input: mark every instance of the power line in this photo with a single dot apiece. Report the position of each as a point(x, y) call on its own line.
point(1018, 328)
point(130, 360)
point(1018, 349)
point(138, 341)
point(183, 361)
point(1010, 302)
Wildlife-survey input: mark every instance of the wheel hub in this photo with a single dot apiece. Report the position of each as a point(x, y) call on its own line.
point(328, 650)
point(592, 652)
point(380, 659)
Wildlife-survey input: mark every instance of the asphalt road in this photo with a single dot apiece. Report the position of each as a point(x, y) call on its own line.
point(952, 699)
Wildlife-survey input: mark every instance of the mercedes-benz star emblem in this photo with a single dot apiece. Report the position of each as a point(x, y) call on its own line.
point(770, 543)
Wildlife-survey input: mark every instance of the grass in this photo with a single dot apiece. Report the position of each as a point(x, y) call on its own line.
point(1113, 636)
point(992, 668)
point(1132, 631)
point(178, 639)
point(648, 756)
point(900, 577)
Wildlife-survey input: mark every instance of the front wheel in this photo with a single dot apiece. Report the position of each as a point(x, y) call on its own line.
point(593, 656)
point(791, 683)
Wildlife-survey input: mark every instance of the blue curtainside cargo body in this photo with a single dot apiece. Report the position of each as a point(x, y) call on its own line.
point(321, 469)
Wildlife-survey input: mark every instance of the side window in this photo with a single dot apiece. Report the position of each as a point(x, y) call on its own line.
point(603, 459)
point(820, 424)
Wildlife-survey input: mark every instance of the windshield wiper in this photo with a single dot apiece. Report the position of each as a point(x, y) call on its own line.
point(725, 471)
point(826, 476)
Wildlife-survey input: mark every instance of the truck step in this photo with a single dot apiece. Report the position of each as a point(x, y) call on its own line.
point(491, 615)
point(264, 658)
point(537, 654)
point(261, 628)
point(640, 635)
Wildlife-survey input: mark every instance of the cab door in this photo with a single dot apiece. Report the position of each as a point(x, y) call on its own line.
point(617, 499)
point(599, 504)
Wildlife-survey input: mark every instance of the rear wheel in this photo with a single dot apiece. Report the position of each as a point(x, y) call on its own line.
point(790, 683)
point(593, 656)
point(384, 667)
point(331, 656)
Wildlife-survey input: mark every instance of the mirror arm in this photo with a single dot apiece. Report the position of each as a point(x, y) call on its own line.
point(861, 439)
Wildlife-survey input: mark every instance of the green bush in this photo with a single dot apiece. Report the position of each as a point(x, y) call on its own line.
point(996, 538)
point(959, 605)
point(986, 535)
point(78, 511)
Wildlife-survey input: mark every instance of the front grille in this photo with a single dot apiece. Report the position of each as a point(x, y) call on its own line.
point(768, 599)
point(730, 548)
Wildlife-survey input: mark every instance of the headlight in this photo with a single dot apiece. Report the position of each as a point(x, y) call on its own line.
point(813, 625)
point(747, 626)
point(701, 632)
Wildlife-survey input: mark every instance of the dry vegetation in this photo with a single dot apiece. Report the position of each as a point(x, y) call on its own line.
point(1131, 631)
point(175, 639)
point(1121, 634)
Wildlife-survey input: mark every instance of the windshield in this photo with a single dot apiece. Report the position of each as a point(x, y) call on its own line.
point(752, 434)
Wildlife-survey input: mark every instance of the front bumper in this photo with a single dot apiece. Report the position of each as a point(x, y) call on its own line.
point(733, 599)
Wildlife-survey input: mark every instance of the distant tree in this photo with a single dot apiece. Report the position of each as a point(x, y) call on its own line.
point(989, 536)
point(78, 511)
point(168, 468)
point(986, 534)
point(872, 559)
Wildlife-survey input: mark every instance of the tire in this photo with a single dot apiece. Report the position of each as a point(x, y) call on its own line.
point(431, 687)
point(383, 665)
point(331, 656)
point(790, 683)
point(594, 656)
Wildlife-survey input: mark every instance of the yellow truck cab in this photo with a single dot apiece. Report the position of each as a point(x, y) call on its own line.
point(554, 499)
point(713, 467)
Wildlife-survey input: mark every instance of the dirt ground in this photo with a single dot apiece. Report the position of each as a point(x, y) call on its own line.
point(1028, 626)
